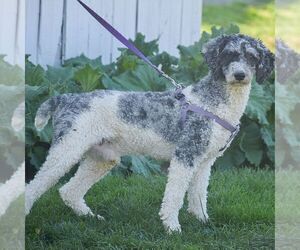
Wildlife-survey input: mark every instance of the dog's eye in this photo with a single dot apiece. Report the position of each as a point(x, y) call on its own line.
point(228, 57)
point(251, 58)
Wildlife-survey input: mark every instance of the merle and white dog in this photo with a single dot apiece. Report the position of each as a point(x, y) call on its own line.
point(99, 127)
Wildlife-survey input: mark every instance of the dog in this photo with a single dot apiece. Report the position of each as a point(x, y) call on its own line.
point(101, 126)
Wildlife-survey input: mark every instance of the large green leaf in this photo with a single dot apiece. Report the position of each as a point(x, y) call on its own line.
point(148, 48)
point(233, 157)
point(82, 60)
point(88, 78)
point(252, 144)
point(38, 155)
point(286, 100)
point(126, 62)
point(34, 74)
point(166, 61)
point(141, 79)
point(11, 95)
point(59, 75)
point(260, 102)
point(10, 74)
point(140, 165)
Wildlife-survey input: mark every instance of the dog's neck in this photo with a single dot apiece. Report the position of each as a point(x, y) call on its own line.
point(228, 101)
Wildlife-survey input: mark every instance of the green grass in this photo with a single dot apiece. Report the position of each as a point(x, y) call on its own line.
point(12, 226)
point(287, 213)
point(241, 208)
point(256, 19)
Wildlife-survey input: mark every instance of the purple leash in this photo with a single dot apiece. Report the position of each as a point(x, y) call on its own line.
point(127, 43)
point(185, 106)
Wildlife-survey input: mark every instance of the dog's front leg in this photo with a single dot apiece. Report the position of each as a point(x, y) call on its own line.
point(178, 181)
point(197, 192)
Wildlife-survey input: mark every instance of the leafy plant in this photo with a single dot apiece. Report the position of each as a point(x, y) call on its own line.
point(11, 95)
point(254, 146)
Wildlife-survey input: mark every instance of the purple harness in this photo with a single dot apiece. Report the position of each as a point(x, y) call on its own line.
point(185, 105)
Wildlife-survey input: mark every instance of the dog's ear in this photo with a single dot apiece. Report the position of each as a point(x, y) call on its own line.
point(265, 65)
point(211, 51)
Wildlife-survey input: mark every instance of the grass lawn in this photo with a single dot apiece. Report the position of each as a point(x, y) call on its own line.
point(241, 209)
point(255, 18)
point(12, 226)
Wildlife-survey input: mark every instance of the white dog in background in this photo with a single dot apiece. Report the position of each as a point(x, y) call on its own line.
point(15, 186)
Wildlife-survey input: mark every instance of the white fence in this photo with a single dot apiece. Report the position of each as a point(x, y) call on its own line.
point(12, 30)
point(60, 29)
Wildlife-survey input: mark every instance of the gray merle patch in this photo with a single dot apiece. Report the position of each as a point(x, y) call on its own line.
point(160, 112)
point(67, 107)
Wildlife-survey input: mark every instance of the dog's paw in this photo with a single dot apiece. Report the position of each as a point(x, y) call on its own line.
point(97, 216)
point(171, 224)
point(172, 227)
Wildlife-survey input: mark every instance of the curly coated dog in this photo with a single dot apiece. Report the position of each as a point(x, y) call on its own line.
point(100, 127)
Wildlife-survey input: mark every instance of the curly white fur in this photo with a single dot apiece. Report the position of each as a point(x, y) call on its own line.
point(12, 189)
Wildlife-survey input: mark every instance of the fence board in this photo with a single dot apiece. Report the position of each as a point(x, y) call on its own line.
point(32, 28)
point(124, 20)
point(20, 35)
point(100, 40)
point(76, 33)
point(191, 21)
point(8, 26)
point(170, 26)
point(148, 21)
point(50, 32)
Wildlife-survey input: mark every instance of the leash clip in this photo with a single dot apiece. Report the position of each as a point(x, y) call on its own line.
point(230, 139)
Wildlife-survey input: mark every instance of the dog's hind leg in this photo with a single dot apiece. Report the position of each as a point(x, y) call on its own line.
point(89, 172)
point(197, 192)
point(62, 156)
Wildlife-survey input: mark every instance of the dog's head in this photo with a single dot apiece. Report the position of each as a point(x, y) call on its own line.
point(237, 58)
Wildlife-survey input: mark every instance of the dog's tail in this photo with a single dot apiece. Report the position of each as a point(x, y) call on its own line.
point(45, 112)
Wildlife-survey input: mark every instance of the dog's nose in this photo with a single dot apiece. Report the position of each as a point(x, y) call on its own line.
point(239, 76)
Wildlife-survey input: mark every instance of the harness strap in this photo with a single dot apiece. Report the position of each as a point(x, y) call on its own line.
point(186, 106)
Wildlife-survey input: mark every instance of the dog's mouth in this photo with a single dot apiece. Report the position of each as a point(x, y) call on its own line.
point(240, 82)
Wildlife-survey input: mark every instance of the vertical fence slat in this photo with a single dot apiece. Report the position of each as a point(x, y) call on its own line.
point(8, 24)
point(32, 25)
point(163, 22)
point(76, 37)
point(191, 21)
point(49, 44)
point(99, 39)
point(124, 20)
point(170, 26)
point(20, 35)
point(148, 21)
